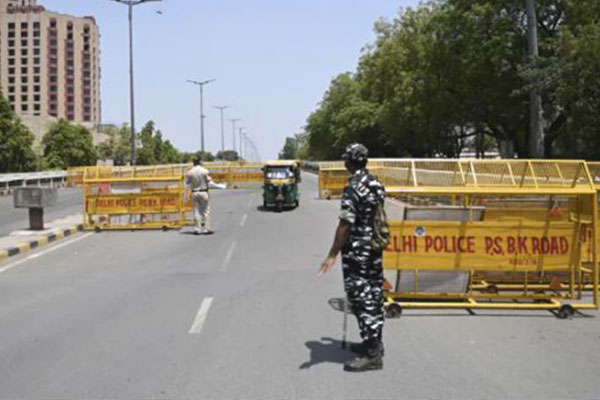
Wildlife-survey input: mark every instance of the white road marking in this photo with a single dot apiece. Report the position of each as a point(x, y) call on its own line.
point(228, 257)
point(201, 316)
point(41, 253)
point(244, 218)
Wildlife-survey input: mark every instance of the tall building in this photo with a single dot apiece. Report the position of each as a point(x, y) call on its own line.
point(49, 65)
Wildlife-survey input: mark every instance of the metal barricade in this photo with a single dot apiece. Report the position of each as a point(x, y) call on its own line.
point(134, 198)
point(520, 247)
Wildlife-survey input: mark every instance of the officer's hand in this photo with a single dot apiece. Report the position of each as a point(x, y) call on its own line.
point(326, 266)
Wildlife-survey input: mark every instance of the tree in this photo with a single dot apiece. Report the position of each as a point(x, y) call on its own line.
point(228, 155)
point(290, 149)
point(16, 154)
point(117, 146)
point(204, 156)
point(67, 145)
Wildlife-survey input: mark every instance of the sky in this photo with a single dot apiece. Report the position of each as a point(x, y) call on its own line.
point(272, 61)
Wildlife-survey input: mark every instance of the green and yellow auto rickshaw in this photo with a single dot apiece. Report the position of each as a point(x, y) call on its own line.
point(281, 184)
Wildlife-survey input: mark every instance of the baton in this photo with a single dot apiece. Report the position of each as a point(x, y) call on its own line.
point(345, 325)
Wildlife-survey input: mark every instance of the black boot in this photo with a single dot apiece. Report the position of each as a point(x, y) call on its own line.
point(361, 349)
point(372, 359)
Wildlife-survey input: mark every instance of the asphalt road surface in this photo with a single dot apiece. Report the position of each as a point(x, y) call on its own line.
point(241, 315)
point(69, 202)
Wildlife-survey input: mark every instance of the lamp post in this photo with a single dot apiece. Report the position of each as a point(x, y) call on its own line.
point(233, 122)
point(221, 109)
point(130, 4)
point(202, 116)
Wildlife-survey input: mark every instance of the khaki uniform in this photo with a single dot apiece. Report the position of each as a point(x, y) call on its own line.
point(198, 182)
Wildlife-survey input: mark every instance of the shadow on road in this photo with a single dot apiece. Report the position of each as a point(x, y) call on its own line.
point(337, 303)
point(327, 350)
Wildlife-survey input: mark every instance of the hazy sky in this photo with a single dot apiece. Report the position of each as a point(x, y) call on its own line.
point(272, 61)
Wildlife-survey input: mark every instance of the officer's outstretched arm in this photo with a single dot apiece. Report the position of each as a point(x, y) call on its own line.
point(341, 236)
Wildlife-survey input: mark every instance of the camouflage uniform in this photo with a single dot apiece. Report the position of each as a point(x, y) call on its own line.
point(362, 266)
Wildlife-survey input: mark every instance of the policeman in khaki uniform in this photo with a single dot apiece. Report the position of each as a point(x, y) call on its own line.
point(198, 182)
point(361, 264)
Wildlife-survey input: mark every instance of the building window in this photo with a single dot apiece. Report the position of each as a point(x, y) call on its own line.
point(24, 108)
point(11, 43)
point(24, 89)
point(36, 33)
point(24, 80)
point(36, 42)
point(11, 61)
point(36, 88)
point(24, 34)
point(24, 43)
point(52, 23)
point(24, 71)
point(11, 99)
point(11, 71)
point(36, 52)
point(36, 70)
point(36, 60)
point(11, 79)
point(24, 99)
point(23, 25)
point(11, 89)
point(24, 52)
point(37, 107)
point(37, 98)
point(11, 34)
point(11, 25)
point(24, 61)
point(11, 52)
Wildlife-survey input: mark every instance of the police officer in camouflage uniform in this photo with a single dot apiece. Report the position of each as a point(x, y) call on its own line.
point(362, 266)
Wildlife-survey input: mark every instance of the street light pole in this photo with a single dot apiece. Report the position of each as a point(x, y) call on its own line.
point(241, 140)
point(233, 122)
point(221, 109)
point(130, 4)
point(202, 116)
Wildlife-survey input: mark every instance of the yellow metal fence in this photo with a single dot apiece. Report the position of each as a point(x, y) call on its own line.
point(496, 233)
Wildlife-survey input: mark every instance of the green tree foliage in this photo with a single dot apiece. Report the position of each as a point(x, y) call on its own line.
point(455, 73)
point(117, 146)
point(228, 155)
point(204, 156)
point(16, 154)
point(295, 148)
point(67, 145)
point(154, 150)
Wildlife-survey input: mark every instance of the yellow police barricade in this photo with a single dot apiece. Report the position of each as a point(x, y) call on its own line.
point(333, 176)
point(75, 176)
point(134, 197)
point(513, 241)
point(236, 174)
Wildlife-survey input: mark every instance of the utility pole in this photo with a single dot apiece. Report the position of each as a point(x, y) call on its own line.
point(536, 138)
point(241, 143)
point(202, 116)
point(233, 122)
point(130, 4)
point(221, 109)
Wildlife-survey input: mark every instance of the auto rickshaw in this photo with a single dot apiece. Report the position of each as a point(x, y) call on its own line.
point(281, 184)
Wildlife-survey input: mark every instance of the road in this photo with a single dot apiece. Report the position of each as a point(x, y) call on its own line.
point(69, 202)
point(241, 314)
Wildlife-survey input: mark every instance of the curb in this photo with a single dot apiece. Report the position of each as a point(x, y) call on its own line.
point(42, 241)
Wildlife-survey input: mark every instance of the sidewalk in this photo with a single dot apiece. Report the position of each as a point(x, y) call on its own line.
point(22, 241)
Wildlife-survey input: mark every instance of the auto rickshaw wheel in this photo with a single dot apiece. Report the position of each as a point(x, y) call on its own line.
point(297, 203)
point(279, 207)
